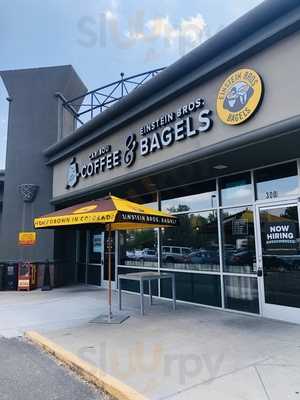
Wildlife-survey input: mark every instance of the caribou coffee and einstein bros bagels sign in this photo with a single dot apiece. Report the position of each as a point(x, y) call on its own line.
point(237, 100)
point(187, 122)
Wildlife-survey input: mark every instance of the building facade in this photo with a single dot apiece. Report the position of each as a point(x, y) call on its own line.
point(33, 125)
point(214, 138)
point(2, 178)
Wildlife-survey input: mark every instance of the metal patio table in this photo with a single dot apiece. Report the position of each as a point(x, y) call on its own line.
point(142, 277)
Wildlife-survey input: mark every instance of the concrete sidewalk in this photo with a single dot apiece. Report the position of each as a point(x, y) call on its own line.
point(58, 308)
point(192, 353)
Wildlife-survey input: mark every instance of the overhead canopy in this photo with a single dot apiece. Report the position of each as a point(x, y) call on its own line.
point(111, 211)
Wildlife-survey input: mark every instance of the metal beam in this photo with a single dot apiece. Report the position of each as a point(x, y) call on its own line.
point(119, 88)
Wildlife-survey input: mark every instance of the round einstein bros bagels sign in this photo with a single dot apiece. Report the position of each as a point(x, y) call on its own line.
point(239, 96)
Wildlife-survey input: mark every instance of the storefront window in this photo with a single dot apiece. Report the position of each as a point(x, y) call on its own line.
point(193, 245)
point(190, 198)
point(276, 182)
point(138, 248)
point(241, 293)
point(147, 199)
point(236, 189)
point(96, 246)
point(238, 240)
point(195, 288)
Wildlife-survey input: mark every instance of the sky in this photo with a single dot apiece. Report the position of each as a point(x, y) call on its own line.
point(102, 38)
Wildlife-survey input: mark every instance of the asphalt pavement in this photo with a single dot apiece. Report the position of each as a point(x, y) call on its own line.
point(27, 373)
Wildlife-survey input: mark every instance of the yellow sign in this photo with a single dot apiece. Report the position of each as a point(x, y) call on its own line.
point(27, 238)
point(239, 96)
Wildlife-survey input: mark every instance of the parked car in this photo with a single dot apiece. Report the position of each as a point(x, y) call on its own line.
point(204, 256)
point(147, 255)
point(242, 257)
point(175, 254)
point(130, 255)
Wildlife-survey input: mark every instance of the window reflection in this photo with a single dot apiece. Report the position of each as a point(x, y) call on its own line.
point(138, 248)
point(236, 189)
point(241, 293)
point(238, 240)
point(276, 182)
point(193, 245)
point(190, 198)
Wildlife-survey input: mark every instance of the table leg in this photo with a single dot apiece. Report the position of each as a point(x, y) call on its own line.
point(150, 292)
point(142, 295)
point(120, 293)
point(174, 292)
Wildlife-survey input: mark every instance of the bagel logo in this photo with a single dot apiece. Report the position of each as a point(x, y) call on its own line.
point(239, 96)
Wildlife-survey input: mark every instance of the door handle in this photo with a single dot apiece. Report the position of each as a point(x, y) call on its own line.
point(259, 272)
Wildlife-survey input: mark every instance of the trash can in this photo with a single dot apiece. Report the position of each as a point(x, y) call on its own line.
point(11, 277)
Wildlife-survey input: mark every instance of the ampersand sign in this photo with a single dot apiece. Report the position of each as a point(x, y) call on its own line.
point(130, 153)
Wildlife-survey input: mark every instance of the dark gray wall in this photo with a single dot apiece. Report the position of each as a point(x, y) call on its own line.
point(1, 194)
point(1, 186)
point(32, 127)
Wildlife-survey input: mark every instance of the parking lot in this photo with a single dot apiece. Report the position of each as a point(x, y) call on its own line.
point(28, 373)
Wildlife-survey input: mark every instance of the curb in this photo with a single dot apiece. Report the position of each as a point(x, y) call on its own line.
point(92, 374)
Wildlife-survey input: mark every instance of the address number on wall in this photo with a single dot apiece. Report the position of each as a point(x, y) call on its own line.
point(271, 195)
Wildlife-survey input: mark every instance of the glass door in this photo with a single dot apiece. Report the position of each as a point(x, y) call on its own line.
point(95, 258)
point(239, 260)
point(279, 261)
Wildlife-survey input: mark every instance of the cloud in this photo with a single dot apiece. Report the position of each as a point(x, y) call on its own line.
point(153, 33)
point(110, 15)
point(191, 30)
